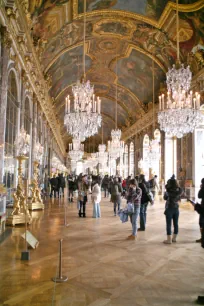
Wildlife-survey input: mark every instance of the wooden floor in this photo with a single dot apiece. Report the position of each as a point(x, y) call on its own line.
point(103, 267)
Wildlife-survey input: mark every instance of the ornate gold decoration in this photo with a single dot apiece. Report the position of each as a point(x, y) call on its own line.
point(20, 213)
point(7, 40)
point(29, 63)
point(36, 200)
point(48, 80)
point(125, 27)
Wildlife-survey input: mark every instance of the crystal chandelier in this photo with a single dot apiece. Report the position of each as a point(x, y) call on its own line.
point(76, 150)
point(115, 146)
point(180, 113)
point(85, 118)
point(22, 143)
point(38, 152)
point(102, 155)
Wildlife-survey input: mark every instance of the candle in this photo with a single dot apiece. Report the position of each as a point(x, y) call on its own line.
point(163, 101)
point(99, 106)
point(159, 102)
point(194, 101)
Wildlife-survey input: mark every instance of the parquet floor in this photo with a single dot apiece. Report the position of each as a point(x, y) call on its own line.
point(104, 269)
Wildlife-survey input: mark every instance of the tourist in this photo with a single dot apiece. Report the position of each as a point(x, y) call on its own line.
point(134, 196)
point(61, 184)
point(83, 188)
point(105, 184)
point(71, 187)
point(172, 196)
point(200, 209)
point(153, 185)
point(54, 185)
point(96, 197)
point(143, 184)
point(116, 190)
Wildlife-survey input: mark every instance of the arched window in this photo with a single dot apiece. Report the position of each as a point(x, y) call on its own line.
point(145, 156)
point(132, 160)
point(10, 132)
point(126, 161)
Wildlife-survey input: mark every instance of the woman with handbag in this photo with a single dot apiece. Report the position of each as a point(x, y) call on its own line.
point(134, 197)
point(172, 196)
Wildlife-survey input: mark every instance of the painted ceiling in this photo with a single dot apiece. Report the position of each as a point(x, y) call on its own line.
point(123, 39)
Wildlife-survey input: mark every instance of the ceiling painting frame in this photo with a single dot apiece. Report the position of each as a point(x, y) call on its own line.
point(123, 15)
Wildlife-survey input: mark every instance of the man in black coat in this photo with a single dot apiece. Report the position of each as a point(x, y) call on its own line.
point(61, 184)
point(54, 185)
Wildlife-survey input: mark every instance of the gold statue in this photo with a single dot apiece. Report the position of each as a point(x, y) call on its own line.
point(16, 205)
point(36, 200)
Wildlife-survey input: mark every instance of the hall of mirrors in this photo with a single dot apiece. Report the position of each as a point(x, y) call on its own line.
point(96, 89)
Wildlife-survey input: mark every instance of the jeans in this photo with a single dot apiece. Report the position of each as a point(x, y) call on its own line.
point(153, 193)
point(96, 210)
point(172, 214)
point(115, 205)
point(133, 219)
point(143, 216)
point(82, 206)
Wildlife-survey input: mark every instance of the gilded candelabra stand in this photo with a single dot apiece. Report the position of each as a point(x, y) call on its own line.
point(36, 200)
point(20, 213)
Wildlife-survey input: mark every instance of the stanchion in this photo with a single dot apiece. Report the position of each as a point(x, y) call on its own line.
point(25, 255)
point(61, 278)
point(65, 215)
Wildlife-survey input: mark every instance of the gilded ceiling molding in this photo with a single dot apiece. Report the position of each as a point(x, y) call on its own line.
point(185, 8)
point(141, 124)
point(123, 15)
point(16, 24)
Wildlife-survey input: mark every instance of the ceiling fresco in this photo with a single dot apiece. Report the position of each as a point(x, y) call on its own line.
point(67, 70)
point(135, 73)
point(129, 32)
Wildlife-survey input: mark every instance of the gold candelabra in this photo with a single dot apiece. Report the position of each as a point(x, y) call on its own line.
point(36, 200)
point(20, 213)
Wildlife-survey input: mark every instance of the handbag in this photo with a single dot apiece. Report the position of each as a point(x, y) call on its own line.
point(130, 208)
point(123, 215)
point(151, 197)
